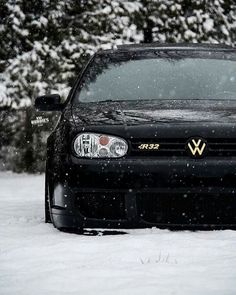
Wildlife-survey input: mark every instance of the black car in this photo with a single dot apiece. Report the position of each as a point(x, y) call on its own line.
point(147, 137)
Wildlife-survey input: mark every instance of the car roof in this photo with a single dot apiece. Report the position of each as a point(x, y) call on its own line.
point(170, 46)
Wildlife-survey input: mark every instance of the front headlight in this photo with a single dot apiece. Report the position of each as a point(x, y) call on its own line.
point(93, 145)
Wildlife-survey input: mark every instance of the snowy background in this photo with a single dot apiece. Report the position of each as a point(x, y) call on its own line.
point(35, 258)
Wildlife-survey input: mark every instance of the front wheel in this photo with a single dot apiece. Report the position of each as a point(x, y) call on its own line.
point(47, 217)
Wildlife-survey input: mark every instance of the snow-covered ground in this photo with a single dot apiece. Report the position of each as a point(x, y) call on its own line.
point(37, 259)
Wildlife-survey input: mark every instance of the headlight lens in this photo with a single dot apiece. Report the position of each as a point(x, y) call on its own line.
point(93, 145)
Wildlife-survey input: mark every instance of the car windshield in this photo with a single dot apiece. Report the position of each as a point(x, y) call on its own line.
point(159, 76)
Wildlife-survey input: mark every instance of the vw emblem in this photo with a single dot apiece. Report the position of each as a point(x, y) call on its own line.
point(196, 147)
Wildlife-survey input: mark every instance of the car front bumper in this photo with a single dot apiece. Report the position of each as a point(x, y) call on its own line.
point(136, 192)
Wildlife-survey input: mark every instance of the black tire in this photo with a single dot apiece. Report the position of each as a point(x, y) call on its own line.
point(47, 217)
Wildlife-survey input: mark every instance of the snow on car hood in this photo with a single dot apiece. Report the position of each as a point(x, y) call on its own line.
point(140, 112)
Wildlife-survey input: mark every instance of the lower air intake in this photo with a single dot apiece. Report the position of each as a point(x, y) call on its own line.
point(107, 206)
point(187, 209)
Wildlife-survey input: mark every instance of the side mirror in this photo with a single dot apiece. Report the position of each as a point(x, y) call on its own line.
point(50, 102)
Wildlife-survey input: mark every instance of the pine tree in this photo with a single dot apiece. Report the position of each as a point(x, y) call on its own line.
point(187, 21)
point(29, 62)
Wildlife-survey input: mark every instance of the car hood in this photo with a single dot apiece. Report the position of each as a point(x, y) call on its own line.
point(148, 112)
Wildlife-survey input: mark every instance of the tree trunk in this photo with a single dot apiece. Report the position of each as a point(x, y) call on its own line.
point(147, 32)
point(28, 155)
